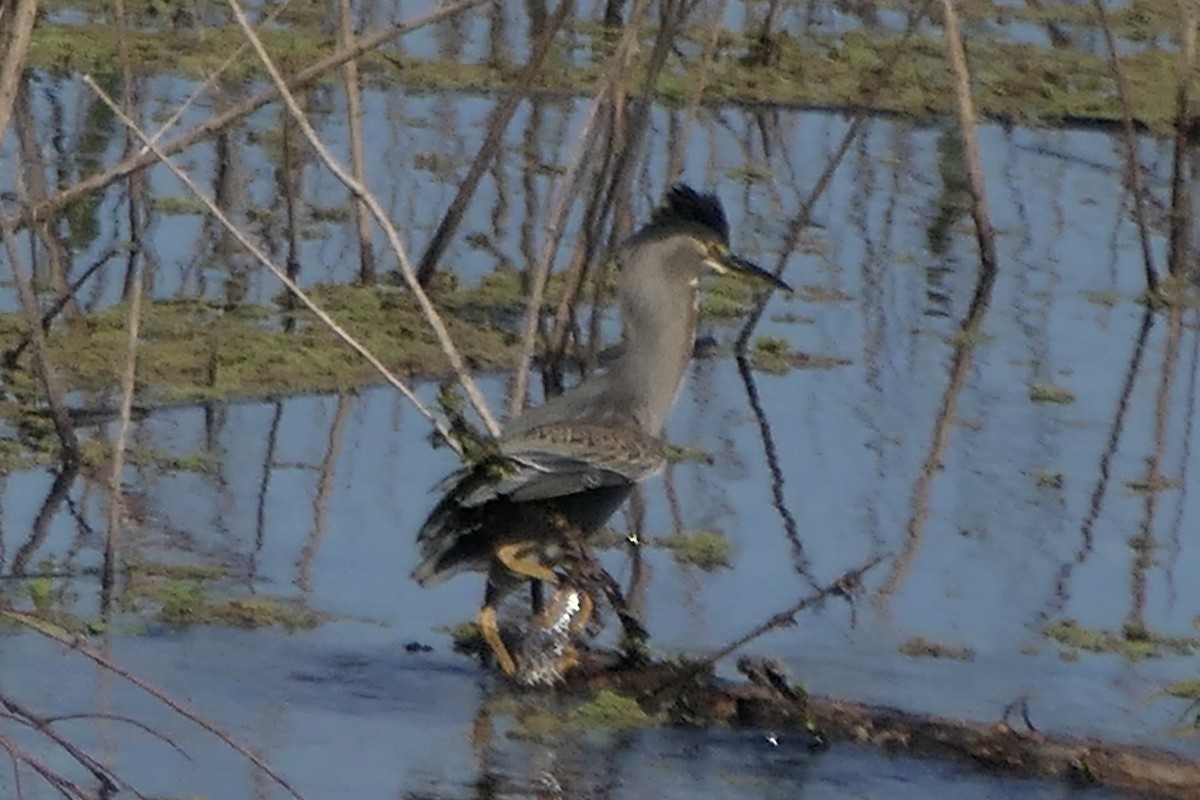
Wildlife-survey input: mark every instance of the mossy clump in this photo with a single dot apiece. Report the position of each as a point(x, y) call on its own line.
point(920, 647)
point(677, 454)
point(262, 612)
point(1045, 479)
point(465, 638)
point(823, 294)
point(1185, 690)
point(1132, 642)
point(776, 356)
point(1050, 393)
point(707, 550)
point(1151, 484)
point(608, 710)
point(726, 297)
point(186, 603)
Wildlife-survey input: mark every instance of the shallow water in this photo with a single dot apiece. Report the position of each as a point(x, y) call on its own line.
point(319, 497)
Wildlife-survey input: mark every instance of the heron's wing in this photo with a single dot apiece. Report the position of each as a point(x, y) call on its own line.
point(562, 459)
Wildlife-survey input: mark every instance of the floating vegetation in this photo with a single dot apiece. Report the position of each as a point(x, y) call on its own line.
point(1050, 393)
point(679, 453)
point(1106, 299)
point(1151, 484)
point(823, 294)
point(1130, 642)
point(920, 647)
point(707, 550)
point(775, 355)
point(1048, 480)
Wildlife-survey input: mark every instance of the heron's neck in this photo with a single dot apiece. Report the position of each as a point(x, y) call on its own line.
point(659, 333)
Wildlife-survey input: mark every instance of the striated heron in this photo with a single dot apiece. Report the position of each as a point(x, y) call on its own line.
point(563, 468)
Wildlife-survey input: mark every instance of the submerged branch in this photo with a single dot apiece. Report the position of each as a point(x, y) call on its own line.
point(80, 645)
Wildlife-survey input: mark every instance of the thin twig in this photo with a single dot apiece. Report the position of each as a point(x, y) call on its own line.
point(211, 79)
point(291, 285)
point(65, 787)
point(80, 645)
point(354, 111)
point(47, 206)
point(117, 468)
point(162, 737)
point(361, 192)
point(44, 368)
point(109, 782)
point(618, 65)
point(497, 124)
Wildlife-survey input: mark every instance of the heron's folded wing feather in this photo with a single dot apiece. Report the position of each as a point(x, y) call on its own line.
point(559, 460)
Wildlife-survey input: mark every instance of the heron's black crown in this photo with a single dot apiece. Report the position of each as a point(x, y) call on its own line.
point(683, 210)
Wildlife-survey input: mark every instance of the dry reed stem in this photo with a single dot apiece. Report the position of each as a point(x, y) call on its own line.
point(117, 468)
point(1129, 140)
point(80, 645)
point(55, 395)
point(15, 35)
point(964, 106)
point(211, 79)
point(617, 67)
point(354, 112)
point(262, 258)
point(361, 192)
point(218, 122)
point(498, 122)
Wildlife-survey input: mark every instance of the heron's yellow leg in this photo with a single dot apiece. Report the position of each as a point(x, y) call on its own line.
point(490, 632)
point(509, 555)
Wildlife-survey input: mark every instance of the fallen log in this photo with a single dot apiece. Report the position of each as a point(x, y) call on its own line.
point(688, 693)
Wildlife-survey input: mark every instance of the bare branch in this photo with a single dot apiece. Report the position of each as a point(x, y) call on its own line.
point(279, 273)
point(362, 193)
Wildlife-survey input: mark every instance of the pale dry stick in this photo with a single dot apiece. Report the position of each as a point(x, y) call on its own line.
point(80, 645)
point(291, 285)
point(211, 79)
point(43, 367)
point(964, 105)
point(15, 35)
point(566, 192)
point(47, 206)
point(128, 376)
point(362, 193)
point(1129, 140)
point(354, 111)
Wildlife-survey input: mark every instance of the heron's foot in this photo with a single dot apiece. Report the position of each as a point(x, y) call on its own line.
point(490, 631)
